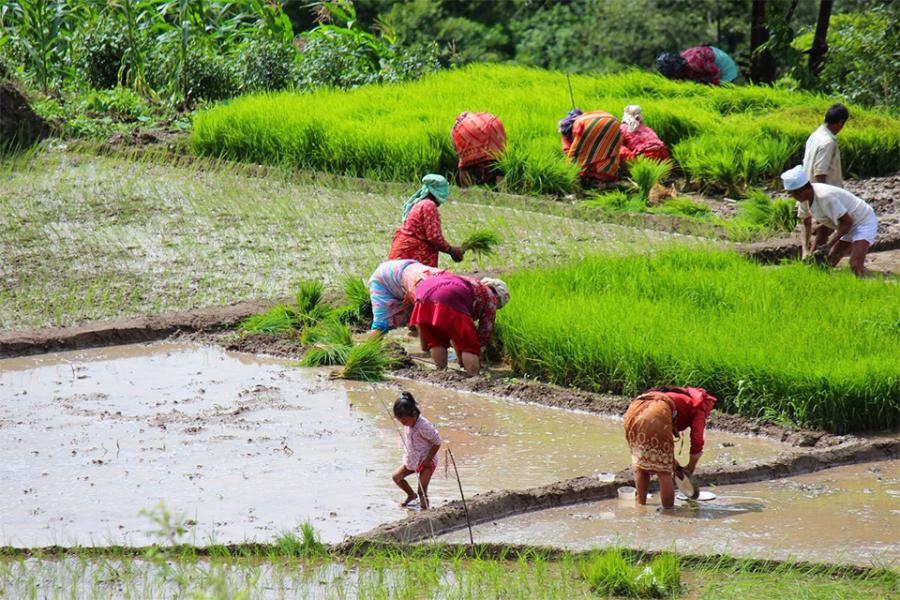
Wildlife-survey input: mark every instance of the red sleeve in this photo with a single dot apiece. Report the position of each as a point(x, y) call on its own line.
point(431, 222)
point(698, 424)
point(485, 312)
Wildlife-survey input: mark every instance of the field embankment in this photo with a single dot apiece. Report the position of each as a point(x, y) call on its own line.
point(787, 343)
point(723, 139)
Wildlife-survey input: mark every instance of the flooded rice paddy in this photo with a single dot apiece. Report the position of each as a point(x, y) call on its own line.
point(848, 514)
point(244, 447)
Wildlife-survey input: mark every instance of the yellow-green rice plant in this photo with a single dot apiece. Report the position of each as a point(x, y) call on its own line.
point(367, 362)
point(482, 242)
point(399, 131)
point(684, 207)
point(645, 173)
point(279, 319)
point(326, 355)
point(359, 304)
point(713, 319)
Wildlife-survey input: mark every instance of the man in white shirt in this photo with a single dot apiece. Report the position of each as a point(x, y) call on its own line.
point(852, 220)
point(822, 164)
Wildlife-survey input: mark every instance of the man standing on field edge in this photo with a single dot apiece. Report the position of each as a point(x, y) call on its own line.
point(822, 164)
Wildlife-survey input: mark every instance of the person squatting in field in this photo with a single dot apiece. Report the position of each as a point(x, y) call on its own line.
point(421, 443)
point(704, 64)
point(479, 139)
point(822, 164)
point(593, 141)
point(852, 220)
point(420, 237)
point(652, 422)
point(445, 312)
point(638, 139)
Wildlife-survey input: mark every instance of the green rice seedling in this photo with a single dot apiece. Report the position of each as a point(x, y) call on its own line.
point(646, 173)
point(326, 355)
point(634, 322)
point(482, 242)
point(612, 200)
point(367, 362)
point(610, 574)
point(307, 545)
point(327, 331)
point(279, 319)
point(359, 304)
point(759, 212)
point(407, 136)
point(309, 296)
point(682, 206)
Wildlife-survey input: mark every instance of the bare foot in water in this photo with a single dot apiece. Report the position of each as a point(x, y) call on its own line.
point(409, 499)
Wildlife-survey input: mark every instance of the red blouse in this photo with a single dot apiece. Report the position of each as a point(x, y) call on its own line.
point(692, 406)
point(701, 65)
point(420, 237)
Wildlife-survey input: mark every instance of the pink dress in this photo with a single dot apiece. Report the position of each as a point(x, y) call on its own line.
point(417, 442)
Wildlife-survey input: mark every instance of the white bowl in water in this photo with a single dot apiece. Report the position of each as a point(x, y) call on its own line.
point(626, 492)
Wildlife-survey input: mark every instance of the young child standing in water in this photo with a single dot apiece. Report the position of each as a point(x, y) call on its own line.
point(421, 443)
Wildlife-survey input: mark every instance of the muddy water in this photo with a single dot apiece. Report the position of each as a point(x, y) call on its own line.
point(847, 514)
point(887, 261)
point(246, 447)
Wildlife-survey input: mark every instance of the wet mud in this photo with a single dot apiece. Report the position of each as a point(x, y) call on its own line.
point(497, 505)
point(246, 447)
point(846, 515)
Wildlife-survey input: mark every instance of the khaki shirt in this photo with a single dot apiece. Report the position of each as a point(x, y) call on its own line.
point(830, 203)
point(822, 157)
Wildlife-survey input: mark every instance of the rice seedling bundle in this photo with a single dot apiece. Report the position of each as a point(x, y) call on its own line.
point(400, 131)
point(367, 362)
point(482, 242)
point(791, 343)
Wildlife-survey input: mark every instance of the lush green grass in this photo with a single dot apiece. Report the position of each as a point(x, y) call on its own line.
point(85, 237)
point(794, 342)
point(723, 138)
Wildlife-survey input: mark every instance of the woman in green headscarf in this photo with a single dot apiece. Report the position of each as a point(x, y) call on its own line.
point(420, 237)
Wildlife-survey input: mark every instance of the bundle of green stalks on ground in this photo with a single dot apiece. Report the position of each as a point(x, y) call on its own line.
point(723, 138)
point(324, 331)
point(792, 343)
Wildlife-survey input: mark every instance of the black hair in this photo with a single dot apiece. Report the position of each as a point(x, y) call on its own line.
point(405, 406)
point(836, 113)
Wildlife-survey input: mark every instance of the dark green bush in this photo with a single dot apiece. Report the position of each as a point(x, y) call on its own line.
point(103, 49)
point(267, 65)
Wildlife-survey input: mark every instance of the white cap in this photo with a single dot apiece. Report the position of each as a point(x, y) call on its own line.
point(501, 290)
point(794, 179)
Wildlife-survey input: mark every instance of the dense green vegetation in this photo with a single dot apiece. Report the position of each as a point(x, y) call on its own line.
point(791, 343)
point(723, 139)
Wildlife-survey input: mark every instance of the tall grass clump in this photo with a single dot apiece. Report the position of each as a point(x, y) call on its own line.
point(733, 137)
point(791, 343)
